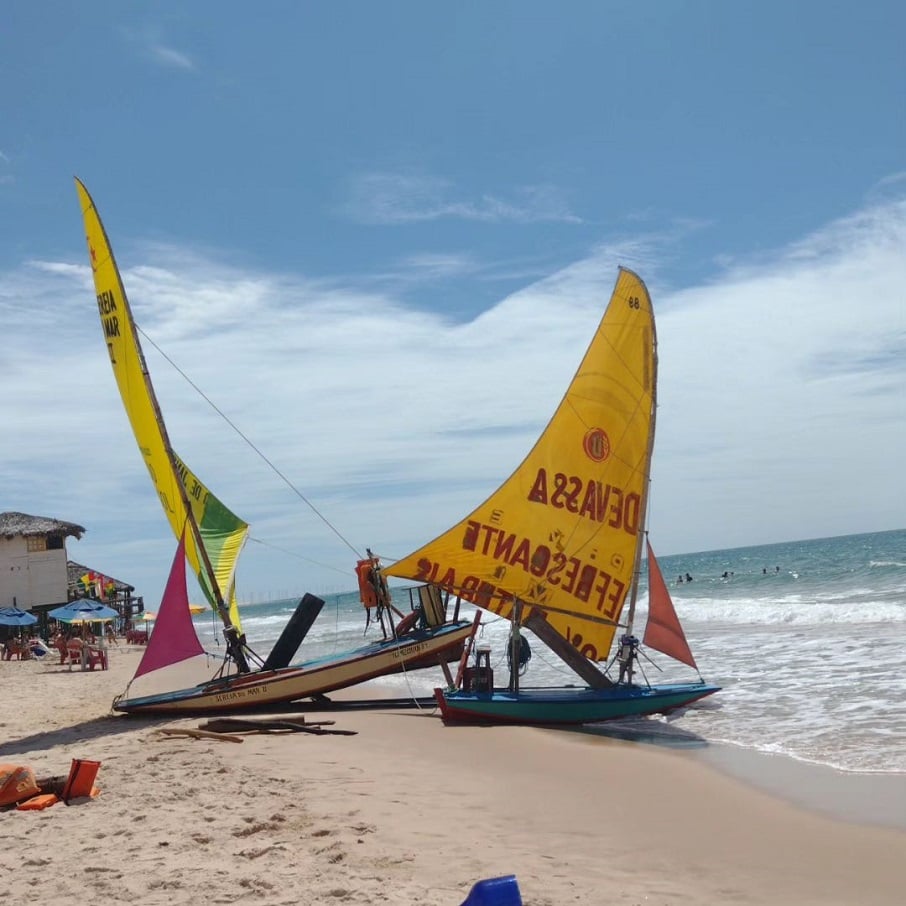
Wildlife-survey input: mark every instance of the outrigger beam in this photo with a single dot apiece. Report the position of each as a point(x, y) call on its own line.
point(565, 651)
point(294, 632)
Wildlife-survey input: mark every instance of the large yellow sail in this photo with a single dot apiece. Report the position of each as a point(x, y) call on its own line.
point(223, 533)
point(562, 532)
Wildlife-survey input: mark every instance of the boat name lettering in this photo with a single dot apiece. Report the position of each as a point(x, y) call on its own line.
point(588, 498)
point(110, 321)
point(194, 488)
point(408, 651)
point(251, 692)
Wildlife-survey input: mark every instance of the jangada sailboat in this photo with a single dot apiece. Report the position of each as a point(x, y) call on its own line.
point(211, 538)
point(557, 548)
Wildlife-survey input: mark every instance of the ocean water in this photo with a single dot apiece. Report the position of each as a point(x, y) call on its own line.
point(807, 640)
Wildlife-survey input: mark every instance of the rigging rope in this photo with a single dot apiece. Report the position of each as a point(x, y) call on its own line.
point(227, 419)
point(283, 550)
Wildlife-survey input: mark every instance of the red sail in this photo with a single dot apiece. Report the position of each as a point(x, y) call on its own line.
point(174, 638)
point(663, 632)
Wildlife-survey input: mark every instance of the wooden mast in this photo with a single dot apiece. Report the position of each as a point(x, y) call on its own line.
point(585, 668)
point(643, 504)
point(234, 642)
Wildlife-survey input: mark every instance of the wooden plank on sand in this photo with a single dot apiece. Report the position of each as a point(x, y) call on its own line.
point(198, 734)
point(263, 725)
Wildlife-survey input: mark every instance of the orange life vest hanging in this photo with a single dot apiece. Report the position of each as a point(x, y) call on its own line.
point(364, 571)
point(373, 588)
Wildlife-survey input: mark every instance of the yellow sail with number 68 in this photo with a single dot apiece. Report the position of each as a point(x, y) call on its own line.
point(562, 533)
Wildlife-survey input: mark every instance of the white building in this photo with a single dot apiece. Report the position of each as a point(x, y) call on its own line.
point(33, 561)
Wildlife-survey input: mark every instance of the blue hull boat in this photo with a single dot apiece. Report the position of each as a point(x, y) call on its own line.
point(566, 705)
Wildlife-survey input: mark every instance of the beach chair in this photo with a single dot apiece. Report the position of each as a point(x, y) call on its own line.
point(502, 891)
point(60, 644)
point(74, 652)
point(17, 648)
point(80, 782)
point(95, 657)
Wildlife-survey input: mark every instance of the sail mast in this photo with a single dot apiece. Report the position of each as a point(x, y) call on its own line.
point(231, 634)
point(234, 642)
point(646, 483)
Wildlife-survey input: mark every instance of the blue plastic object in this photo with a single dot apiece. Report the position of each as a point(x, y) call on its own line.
point(494, 892)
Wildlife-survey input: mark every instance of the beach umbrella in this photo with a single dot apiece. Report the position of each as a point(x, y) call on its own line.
point(12, 616)
point(84, 610)
point(83, 620)
point(148, 616)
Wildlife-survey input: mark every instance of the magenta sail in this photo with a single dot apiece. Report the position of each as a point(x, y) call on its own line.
point(174, 638)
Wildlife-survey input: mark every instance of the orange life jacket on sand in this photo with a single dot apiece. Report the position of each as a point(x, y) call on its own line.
point(45, 800)
point(17, 782)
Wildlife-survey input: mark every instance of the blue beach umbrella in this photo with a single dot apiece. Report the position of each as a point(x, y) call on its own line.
point(12, 616)
point(84, 610)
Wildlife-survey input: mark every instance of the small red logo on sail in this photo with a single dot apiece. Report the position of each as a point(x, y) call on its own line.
point(596, 444)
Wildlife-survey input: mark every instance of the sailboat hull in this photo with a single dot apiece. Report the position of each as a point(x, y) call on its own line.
point(567, 705)
point(268, 687)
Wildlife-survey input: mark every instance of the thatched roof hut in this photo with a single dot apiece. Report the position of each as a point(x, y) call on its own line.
point(14, 524)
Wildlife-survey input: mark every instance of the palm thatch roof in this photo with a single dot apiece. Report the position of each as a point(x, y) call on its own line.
point(14, 524)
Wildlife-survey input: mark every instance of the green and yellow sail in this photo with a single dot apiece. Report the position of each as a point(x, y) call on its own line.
point(223, 533)
point(562, 533)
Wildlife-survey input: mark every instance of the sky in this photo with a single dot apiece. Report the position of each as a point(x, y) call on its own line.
point(368, 244)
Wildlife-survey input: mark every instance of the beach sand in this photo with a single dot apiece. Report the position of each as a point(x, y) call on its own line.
point(407, 811)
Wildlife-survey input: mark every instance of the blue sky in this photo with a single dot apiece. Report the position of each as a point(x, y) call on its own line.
point(379, 236)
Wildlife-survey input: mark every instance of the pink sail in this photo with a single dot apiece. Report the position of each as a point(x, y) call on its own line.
point(174, 638)
point(663, 632)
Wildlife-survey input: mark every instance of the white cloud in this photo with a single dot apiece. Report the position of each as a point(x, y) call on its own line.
point(890, 187)
point(148, 41)
point(6, 178)
point(396, 198)
point(172, 59)
point(781, 400)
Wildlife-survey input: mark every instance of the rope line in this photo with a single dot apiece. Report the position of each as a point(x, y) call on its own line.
point(249, 442)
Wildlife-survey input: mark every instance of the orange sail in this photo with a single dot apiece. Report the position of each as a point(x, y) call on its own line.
point(663, 632)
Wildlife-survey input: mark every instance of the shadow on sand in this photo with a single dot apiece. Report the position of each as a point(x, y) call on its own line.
point(85, 731)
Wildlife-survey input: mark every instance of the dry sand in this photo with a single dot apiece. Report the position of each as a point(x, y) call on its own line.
point(406, 811)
